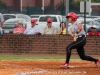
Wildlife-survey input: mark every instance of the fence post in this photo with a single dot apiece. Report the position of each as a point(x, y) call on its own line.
point(27, 8)
point(67, 11)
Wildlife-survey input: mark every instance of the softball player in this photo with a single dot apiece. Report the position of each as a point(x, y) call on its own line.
point(77, 32)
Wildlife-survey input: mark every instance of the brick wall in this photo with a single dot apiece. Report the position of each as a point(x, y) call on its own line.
point(9, 2)
point(31, 2)
point(44, 44)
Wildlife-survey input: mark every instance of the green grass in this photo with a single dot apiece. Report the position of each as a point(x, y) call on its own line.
point(29, 57)
point(23, 57)
point(34, 57)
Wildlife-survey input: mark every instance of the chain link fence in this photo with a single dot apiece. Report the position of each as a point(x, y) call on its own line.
point(95, 10)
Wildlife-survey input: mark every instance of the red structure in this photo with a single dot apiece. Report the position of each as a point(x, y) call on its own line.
point(31, 2)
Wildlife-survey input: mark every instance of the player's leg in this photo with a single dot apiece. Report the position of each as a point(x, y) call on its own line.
point(84, 57)
point(73, 45)
point(68, 51)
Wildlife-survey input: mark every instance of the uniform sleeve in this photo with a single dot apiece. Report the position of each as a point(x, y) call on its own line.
point(79, 21)
point(69, 28)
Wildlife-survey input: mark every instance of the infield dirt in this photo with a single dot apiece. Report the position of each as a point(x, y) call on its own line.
point(47, 67)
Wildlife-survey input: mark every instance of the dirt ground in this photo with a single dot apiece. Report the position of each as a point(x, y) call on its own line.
point(47, 67)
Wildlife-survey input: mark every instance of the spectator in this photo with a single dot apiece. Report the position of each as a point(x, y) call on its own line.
point(34, 29)
point(1, 22)
point(19, 29)
point(49, 29)
point(93, 32)
point(62, 28)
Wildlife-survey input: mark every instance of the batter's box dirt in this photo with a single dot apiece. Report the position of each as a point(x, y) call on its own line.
point(47, 67)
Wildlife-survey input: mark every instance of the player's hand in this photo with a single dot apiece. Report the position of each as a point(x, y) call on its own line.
point(74, 35)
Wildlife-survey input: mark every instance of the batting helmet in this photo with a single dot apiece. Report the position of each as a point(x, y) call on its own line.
point(72, 15)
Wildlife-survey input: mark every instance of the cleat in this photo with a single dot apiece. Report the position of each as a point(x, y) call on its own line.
point(64, 66)
point(97, 63)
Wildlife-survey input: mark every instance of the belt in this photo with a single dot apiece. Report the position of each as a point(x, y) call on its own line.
point(81, 36)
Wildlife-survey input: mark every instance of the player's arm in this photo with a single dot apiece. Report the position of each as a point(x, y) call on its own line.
point(71, 34)
point(79, 28)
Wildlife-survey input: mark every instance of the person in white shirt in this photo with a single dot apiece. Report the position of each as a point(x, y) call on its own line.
point(49, 29)
point(1, 22)
point(34, 29)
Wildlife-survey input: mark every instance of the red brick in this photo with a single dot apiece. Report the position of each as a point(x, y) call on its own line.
point(44, 44)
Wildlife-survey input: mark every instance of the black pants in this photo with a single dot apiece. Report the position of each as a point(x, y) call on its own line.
point(79, 45)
